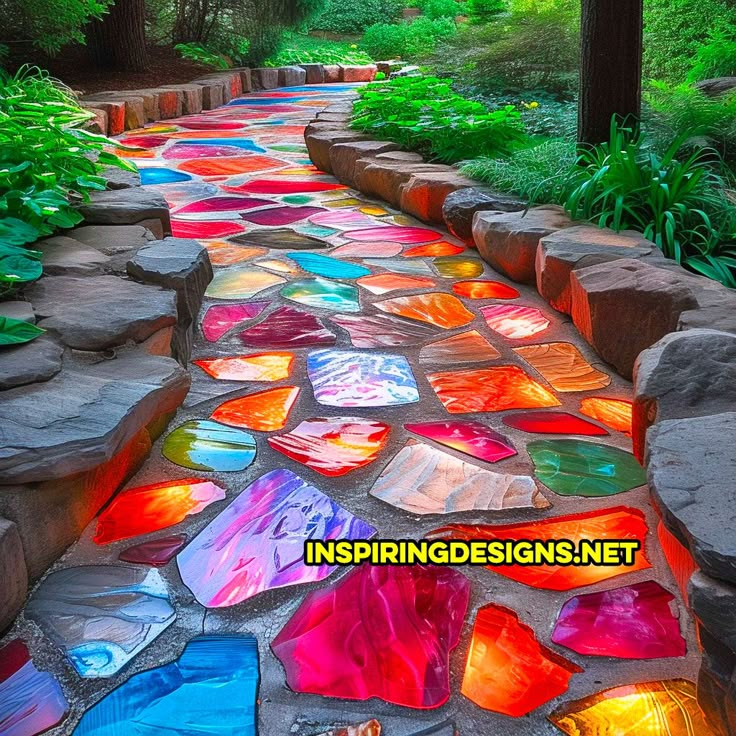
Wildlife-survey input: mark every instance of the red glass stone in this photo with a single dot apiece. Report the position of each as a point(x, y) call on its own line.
point(553, 422)
point(157, 552)
point(395, 234)
point(230, 165)
point(288, 327)
point(145, 141)
point(206, 229)
point(277, 216)
point(470, 437)
point(484, 290)
point(221, 318)
point(434, 250)
point(380, 631)
point(275, 186)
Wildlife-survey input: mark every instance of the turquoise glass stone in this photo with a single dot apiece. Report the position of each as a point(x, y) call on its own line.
point(330, 268)
point(205, 445)
point(323, 294)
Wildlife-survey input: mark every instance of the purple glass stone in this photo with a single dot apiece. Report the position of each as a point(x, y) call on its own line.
point(288, 327)
point(157, 552)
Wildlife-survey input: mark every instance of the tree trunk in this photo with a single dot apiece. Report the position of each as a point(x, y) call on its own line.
point(610, 72)
point(118, 41)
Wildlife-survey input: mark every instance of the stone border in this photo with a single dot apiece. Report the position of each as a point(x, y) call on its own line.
point(672, 332)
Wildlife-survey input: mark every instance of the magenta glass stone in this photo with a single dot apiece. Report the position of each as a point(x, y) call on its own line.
point(223, 204)
point(633, 622)
point(380, 631)
point(288, 327)
point(393, 234)
point(182, 151)
point(470, 437)
point(157, 552)
point(276, 216)
point(221, 318)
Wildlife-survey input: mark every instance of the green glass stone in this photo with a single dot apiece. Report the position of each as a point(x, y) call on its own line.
point(205, 445)
point(324, 294)
point(578, 468)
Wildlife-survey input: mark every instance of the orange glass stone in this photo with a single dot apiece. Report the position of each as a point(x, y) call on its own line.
point(619, 523)
point(434, 249)
point(263, 411)
point(489, 389)
point(256, 367)
point(467, 347)
point(480, 289)
point(514, 322)
point(147, 509)
point(614, 413)
point(564, 366)
point(229, 166)
point(223, 253)
point(443, 310)
point(678, 557)
point(508, 671)
point(134, 153)
point(382, 283)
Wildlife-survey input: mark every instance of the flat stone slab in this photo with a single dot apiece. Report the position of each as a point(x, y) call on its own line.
point(22, 311)
point(80, 418)
point(64, 256)
point(691, 467)
point(126, 207)
point(113, 240)
point(713, 603)
point(37, 360)
point(100, 312)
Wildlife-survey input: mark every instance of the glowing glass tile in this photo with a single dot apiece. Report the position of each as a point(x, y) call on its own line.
point(161, 175)
point(513, 321)
point(157, 552)
point(508, 671)
point(274, 264)
point(136, 153)
point(661, 708)
point(443, 310)
point(433, 249)
point(221, 318)
point(229, 166)
point(344, 378)
point(203, 445)
point(329, 267)
point(379, 631)
point(212, 688)
point(553, 422)
point(223, 253)
point(222, 204)
point(393, 234)
point(204, 123)
point(150, 508)
point(144, 141)
point(382, 283)
point(323, 294)
point(277, 216)
point(101, 616)
point(470, 437)
point(424, 480)
point(413, 266)
point(189, 150)
point(257, 542)
point(455, 267)
point(489, 389)
point(484, 290)
point(297, 199)
point(678, 556)
point(241, 283)
point(619, 523)
point(315, 230)
point(333, 446)
point(263, 411)
point(31, 701)
point(382, 330)
point(204, 228)
point(634, 622)
point(280, 238)
point(278, 186)
point(367, 250)
point(345, 220)
point(374, 211)
point(579, 468)
point(348, 202)
point(467, 347)
point(288, 327)
point(614, 413)
point(255, 367)
point(563, 366)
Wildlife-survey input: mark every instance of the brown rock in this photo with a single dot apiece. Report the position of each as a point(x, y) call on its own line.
point(213, 92)
point(461, 205)
point(344, 155)
point(191, 97)
point(115, 112)
point(332, 73)
point(97, 124)
point(265, 78)
point(382, 176)
point(135, 114)
point(168, 102)
point(246, 80)
point(315, 73)
point(13, 573)
point(364, 73)
point(424, 194)
point(291, 76)
point(319, 145)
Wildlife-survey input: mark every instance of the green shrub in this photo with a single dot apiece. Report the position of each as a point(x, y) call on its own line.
point(483, 11)
point(424, 114)
point(411, 41)
point(715, 58)
point(434, 9)
point(302, 49)
point(346, 17)
point(202, 55)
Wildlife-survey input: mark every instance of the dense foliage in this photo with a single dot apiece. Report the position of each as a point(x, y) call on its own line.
point(354, 17)
point(302, 49)
point(409, 40)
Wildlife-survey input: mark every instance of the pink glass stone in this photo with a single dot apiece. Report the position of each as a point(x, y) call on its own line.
point(553, 422)
point(395, 234)
point(187, 151)
point(276, 216)
point(345, 220)
point(274, 186)
point(220, 319)
point(470, 437)
point(204, 230)
point(157, 552)
point(633, 622)
point(223, 204)
point(367, 250)
point(209, 124)
point(145, 141)
point(380, 631)
point(514, 321)
point(288, 327)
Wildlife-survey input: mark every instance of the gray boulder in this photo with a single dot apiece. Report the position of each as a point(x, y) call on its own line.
point(37, 360)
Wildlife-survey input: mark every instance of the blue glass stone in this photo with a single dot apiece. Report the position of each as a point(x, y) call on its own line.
point(210, 690)
point(245, 143)
point(323, 294)
point(205, 445)
point(157, 175)
point(330, 268)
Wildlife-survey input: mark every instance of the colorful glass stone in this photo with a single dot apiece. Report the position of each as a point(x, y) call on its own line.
point(31, 701)
point(277, 186)
point(277, 265)
point(433, 249)
point(288, 327)
point(455, 267)
point(345, 221)
point(411, 266)
point(150, 508)
point(333, 446)
point(161, 175)
point(101, 616)
point(204, 228)
point(374, 211)
point(424, 480)
point(382, 283)
point(157, 552)
point(563, 366)
point(367, 250)
point(382, 330)
point(280, 238)
point(470, 437)
point(618, 523)
point(343, 378)
point(484, 290)
point(241, 283)
point(489, 389)
point(222, 204)
point(212, 688)
point(678, 556)
point(514, 322)
point(263, 411)
point(192, 151)
point(278, 216)
point(380, 631)
point(257, 542)
point(229, 166)
point(508, 671)
point(661, 708)
point(222, 318)
point(467, 347)
point(323, 294)
point(614, 413)
point(203, 445)
point(328, 267)
point(406, 235)
point(443, 310)
point(255, 367)
point(633, 622)
point(552, 422)
point(578, 468)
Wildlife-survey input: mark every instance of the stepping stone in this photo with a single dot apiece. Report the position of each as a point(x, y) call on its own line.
point(282, 239)
point(30, 362)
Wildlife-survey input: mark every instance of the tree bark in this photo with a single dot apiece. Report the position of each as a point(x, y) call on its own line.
point(610, 70)
point(118, 40)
